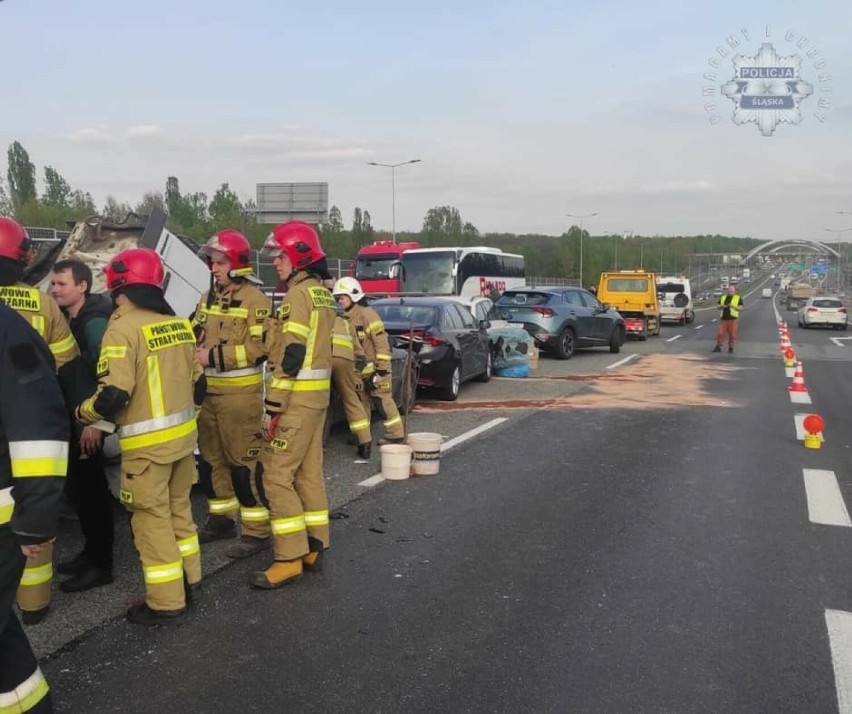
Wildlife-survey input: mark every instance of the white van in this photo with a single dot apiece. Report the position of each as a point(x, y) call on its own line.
point(675, 300)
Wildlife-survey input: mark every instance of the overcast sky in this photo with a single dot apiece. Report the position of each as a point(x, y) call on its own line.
point(520, 112)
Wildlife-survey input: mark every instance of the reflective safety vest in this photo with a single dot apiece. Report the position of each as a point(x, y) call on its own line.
point(151, 357)
point(735, 300)
point(33, 433)
point(45, 317)
point(305, 321)
point(370, 331)
point(233, 326)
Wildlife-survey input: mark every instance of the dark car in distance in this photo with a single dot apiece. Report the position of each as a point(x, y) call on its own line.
point(563, 319)
point(451, 346)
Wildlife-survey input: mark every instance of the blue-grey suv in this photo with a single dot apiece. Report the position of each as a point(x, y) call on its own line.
point(562, 319)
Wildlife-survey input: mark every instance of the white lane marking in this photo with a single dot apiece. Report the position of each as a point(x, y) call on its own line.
point(372, 481)
point(800, 398)
point(623, 361)
point(839, 340)
point(698, 327)
point(839, 625)
point(461, 438)
point(470, 434)
point(825, 502)
point(790, 372)
point(672, 339)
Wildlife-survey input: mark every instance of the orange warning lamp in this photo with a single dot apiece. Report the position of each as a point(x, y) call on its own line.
point(790, 354)
point(813, 424)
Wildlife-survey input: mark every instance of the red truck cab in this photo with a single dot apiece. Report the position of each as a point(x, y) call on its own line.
point(373, 266)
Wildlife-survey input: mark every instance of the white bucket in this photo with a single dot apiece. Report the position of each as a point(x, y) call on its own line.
point(396, 462)
point(426, 453)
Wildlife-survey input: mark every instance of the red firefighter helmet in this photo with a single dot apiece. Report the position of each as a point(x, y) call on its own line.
point(14, 241)
point(135, 266)
point(298, 241)
point(233, 245)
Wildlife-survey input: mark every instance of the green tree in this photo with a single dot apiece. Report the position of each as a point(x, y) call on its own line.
point(6, 207)
point(225, 209)
point(150, 201)
point(83, 202)
point(357, 220)
point(443, 225)
point(57, 191)
point(367, 225)
point(174, 202)
point(115, 211)
point(335, 221)
point(21, 176)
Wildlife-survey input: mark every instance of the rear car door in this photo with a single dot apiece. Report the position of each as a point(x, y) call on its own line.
point(600, 318)
point(580, 315)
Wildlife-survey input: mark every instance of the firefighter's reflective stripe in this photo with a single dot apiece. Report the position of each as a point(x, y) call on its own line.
point(383, 357)
point(38, 324)
point(307, 380)
point(63, 346)
point(189, 546)
point(240, 356)
point(230, 312)
point(38, 458)
point(392, 422)
point(256, 330)
point(377, 327)
point(359, 424)
point(7, 505)
point(38, 575)
point(157, 431)
point(283, 526)
point(257, 514)
point(26, 695)
point(234, 377)
point(149, 425)
point(316, 518)
point(223, 505)
point(113, 351)
point(297, 328)
point(311, 345)
point(155, 387)
point(163, 573)
point(344, 341)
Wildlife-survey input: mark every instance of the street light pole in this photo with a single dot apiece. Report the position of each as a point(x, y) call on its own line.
point(393, 168)
point(582, 217)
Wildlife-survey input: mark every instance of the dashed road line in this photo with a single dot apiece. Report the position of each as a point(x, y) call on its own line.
point(839, 625)
point(800, 398)
point(672, 339)
point(825, 502)
point(455, 441)
point(623, 361)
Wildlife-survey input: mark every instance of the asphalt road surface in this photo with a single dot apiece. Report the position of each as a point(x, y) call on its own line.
point(587, 558)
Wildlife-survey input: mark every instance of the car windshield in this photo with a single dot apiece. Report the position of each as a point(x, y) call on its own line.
point(670, 287)
point(523, 299)
point(825, 302)
point(627, 285)
point(405, 314)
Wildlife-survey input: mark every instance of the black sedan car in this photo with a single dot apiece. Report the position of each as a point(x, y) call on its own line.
point(451, 346)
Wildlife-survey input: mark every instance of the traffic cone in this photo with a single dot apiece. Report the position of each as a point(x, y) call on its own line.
point(798, 384)
point(785, 342)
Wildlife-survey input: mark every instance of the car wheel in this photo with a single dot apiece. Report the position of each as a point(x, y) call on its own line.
point(644, 334)
point(451, 392)
point(616, 340)
point(565, 344)
point(486, 375)
point(690, 318)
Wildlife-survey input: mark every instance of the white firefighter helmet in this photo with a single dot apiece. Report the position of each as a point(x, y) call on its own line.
point(348, 286)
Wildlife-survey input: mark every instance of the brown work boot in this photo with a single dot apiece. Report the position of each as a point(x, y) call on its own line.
point(34, 617)
point(391, 440)
point(144, 615)
point(365, 451)
point(312, 562)
point(246, 546)
point(217, 528)
point(281, 572)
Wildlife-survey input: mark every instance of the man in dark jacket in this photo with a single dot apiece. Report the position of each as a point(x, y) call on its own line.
point(33, 461)
point(87, 486)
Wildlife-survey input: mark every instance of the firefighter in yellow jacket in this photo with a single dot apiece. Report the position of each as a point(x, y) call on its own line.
point(44, 315)
point(370, 332)
point(145, 386)
point(34, 429)
point(295, 406)
point(229, 322)
point(347, 356)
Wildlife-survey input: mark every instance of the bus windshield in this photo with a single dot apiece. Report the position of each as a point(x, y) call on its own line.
point(430, 272)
